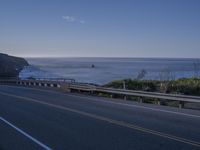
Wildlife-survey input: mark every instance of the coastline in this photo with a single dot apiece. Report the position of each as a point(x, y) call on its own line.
point(108, 69)
point(11, 66)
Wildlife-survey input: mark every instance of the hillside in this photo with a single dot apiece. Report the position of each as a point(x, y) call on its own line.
point(10, 66)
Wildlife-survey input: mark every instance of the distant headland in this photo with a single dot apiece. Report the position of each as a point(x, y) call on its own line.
point(10, 66)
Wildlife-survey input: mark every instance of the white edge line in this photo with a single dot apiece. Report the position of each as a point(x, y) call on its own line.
point(25, 134)
point(117, 103)
point(132, 105)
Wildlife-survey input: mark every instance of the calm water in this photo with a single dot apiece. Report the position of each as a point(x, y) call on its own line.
point(107, 69)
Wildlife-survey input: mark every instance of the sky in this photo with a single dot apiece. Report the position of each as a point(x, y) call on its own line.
point(100, 28)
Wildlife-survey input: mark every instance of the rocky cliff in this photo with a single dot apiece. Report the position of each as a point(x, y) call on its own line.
point(10, 66)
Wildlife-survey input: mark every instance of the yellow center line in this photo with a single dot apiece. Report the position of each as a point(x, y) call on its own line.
point(112, 121)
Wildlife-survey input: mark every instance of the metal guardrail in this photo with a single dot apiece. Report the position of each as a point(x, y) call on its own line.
point(151, 95)
point(175, 97)
point(70, 84)
point(53, 79)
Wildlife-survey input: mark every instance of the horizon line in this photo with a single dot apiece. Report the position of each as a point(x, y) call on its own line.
point(139, 57)
point(128, 57)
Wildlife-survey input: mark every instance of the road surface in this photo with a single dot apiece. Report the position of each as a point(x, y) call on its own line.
point(44, 119)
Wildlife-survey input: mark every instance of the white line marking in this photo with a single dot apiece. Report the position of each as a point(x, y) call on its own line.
point(25, 134)
point(137, 106)
point(117, 103)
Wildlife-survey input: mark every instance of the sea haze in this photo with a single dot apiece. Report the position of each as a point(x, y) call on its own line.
point(108, 69)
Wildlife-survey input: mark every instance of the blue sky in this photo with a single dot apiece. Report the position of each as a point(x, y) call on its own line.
point(100, 28)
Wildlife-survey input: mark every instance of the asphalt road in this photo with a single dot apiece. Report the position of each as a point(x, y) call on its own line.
point(43, 119)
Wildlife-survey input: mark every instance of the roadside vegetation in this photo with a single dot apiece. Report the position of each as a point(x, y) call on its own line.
point(184, 86)
point(187, 86)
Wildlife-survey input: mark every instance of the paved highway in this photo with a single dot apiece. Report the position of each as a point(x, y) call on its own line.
point(43, 119)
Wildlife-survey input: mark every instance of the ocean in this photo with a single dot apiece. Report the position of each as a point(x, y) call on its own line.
point(103, 70)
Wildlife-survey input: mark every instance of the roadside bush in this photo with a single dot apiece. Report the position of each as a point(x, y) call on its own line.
point(187, 86)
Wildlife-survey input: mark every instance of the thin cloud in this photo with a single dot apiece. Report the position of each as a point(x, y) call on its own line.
point(69, 18)
point(82, 21)
point(73, 19)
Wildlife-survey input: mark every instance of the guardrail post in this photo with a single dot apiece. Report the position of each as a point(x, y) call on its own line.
point(158, 102)
point(124, 85)
point(181, 104)
point(140, 100)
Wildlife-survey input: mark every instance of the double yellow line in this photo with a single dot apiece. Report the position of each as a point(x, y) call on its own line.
point(109, 120)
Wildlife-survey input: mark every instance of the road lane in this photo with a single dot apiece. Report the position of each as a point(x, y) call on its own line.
point(165, 122)
point(33, 91)
point(45, 115)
